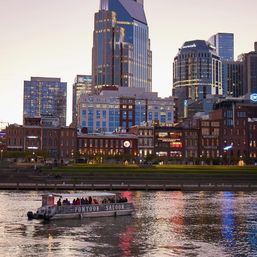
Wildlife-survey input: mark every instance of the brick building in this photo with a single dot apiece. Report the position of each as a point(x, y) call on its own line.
point(176, 142)
point(229, 133)
point(58, 143)
point(210, 139)
point(238, 124)
point(145, 134)
point(107, 145)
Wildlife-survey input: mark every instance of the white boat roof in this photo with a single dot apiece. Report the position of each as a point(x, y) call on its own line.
point(86, 194)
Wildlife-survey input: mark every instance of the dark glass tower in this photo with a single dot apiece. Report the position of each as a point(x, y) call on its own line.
point(232, 78)
point(224, 44)
point(196, 77)
point(249, 61)
point(121, 54)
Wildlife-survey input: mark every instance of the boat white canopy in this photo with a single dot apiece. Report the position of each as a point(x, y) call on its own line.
point(86, 194)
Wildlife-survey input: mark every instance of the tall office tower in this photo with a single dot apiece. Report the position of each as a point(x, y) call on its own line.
point(121, 54)
point(250, 71)
point(82, 85)
point(197, 76)
point(224, 44)
point(45, 97)
point(232, 78)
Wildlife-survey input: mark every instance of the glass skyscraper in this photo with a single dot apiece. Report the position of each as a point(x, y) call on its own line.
point(82, 85)
point(224, 44)
point(45, 97)
point(249, 61)
point(232, 78)
point(121, 54)
point(196, 77)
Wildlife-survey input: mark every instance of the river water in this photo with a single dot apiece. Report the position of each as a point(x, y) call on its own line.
point(164, 224)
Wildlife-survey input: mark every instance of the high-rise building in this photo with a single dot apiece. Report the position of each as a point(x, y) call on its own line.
point(197, 77)
point(224, 44)
point(250, 71)
point(82, 85)
point(45, 97)
point(232, 78)
point(121, 54)
point(123, 108)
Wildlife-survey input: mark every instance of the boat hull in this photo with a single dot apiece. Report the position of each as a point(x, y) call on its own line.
point(90, 215)
point(90, 211)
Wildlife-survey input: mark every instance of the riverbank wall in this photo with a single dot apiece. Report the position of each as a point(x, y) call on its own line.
point(13, 179)
point(127, 187)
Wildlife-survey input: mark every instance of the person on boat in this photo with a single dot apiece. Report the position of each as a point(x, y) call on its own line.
point(59, 202)
point(66, 202)
point(77, 201)
point(90, 200)
point(74, 202)
point(111, 200)
point(95, 201)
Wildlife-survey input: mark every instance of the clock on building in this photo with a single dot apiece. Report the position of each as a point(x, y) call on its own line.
point(127, 144)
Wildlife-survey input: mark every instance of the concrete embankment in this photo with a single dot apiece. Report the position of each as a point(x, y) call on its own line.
point(30, 180)
point(128, 187)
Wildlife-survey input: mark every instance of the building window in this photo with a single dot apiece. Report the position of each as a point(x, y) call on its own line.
point(98, 114)
point(150, 116)
point(124, 115)
point(169, 116)
point(104, 114)
point(130, 115)
point(84, 113)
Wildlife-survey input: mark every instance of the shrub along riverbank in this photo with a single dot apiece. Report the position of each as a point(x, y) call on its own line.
point(156, 169)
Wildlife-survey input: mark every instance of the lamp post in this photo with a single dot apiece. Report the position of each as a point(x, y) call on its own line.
point(35, 163)
point(201, 160)
point(226, 149)
point(221, 159)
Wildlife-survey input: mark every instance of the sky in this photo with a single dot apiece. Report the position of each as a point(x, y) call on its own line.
point(53, 38)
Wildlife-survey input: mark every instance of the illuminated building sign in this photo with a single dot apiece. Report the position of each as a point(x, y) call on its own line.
point(229, 147)
point(176, 145)
point(32, 137)
point(189, 46)
point(33, 148)
point(253, 97)
point(2, 134)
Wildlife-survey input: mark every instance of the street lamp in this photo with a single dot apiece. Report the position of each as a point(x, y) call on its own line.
point(226, 149)
point(34, 160)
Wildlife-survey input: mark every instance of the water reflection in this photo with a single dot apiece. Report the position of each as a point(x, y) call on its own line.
point(164, 224)
point(228, 217)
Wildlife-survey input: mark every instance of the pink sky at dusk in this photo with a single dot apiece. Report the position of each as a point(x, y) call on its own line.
point(53, 38)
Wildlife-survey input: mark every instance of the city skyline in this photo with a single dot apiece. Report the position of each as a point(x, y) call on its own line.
point(60, 44)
